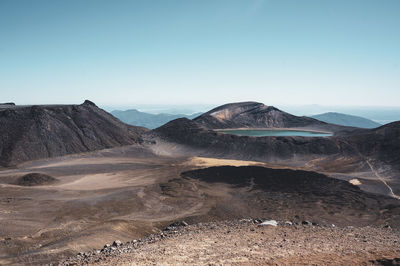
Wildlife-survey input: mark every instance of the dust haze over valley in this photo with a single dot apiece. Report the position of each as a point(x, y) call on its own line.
point(205, 132)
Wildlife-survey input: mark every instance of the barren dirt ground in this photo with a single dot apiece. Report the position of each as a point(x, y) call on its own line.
point(99, 197)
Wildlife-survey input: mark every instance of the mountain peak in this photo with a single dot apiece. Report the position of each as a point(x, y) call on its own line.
point(87, 102)
point(252, 115)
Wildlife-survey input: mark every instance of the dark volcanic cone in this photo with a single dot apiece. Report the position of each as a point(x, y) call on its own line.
point(43, 131)
point(258, 115)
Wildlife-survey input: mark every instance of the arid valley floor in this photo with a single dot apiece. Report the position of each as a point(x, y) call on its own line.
point(130, 192)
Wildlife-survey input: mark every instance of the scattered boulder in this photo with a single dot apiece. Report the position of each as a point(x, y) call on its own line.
point(117, 243)
point(179, 223)
point(175, 225)
point(269, 222)
point(385, 261)
point(305, 222)
point(257, 221)
point(288, 223)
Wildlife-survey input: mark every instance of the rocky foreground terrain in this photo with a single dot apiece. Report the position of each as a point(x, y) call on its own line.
point(248, 241)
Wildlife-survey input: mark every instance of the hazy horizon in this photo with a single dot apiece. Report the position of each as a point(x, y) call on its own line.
point(200, 52)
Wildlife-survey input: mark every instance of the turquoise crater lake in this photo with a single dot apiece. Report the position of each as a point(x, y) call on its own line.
point(274, 133)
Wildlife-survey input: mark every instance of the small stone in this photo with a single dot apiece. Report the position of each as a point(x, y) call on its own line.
point(269, 222)
point(257, 221)
point(117, 243)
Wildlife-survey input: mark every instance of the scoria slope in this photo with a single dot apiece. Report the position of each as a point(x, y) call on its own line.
point(258, 115)
point(43, 131)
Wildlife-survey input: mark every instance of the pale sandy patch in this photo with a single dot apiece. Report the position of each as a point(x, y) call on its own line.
point(208, 162)
point(89, 161)
point(109, 180)
point(355, 182)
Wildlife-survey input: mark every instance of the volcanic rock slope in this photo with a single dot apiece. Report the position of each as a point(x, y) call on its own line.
point(257, 115)
point(212, 143)
point(42, 131)
point(381, 145)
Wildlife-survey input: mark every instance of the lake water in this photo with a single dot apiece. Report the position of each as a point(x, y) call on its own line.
point(274, 133)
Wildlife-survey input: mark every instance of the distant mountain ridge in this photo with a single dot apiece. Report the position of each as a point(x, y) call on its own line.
point(43, 131)
point(346, 120)
point(137, 118)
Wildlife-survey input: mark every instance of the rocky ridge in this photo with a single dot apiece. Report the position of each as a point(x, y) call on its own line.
point(43, 131)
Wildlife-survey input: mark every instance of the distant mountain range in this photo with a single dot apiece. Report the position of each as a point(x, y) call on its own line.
point(247, 114)
point(137, 118)
point(346, 120)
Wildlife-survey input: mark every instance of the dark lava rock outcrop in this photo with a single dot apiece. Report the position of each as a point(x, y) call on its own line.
point(42, 131)
point(304, 192)
point(35, 179)
point(257, 115)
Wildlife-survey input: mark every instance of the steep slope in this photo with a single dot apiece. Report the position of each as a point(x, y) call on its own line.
point(137, 118)
point(257, 115)
point(382, 143)
point(212, 143)
point(34, 132)
point(346, 120)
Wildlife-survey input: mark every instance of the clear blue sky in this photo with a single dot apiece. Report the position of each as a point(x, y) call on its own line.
point(205, 51)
